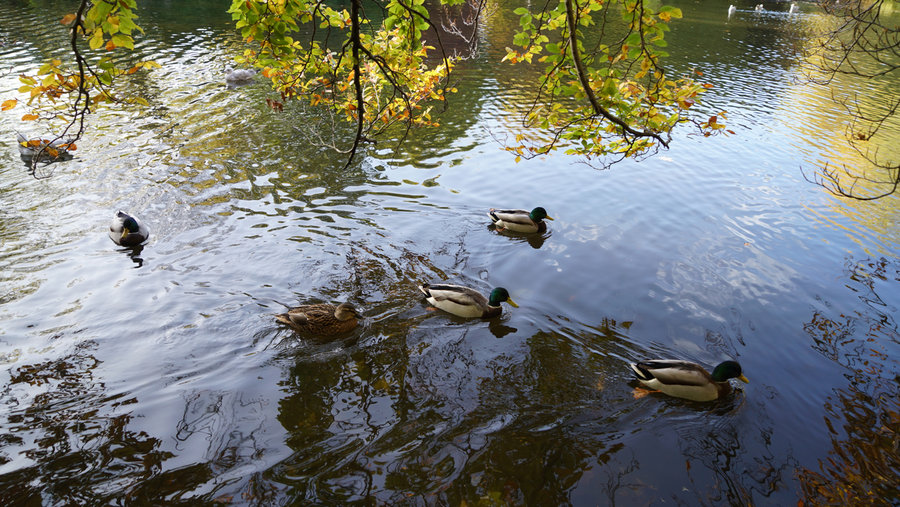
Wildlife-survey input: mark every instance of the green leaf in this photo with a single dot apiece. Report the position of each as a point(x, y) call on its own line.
point(123, 41)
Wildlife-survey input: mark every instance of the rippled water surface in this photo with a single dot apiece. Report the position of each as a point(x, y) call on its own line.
point(162, 377)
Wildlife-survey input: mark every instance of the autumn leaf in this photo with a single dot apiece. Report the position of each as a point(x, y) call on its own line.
point(29, 117)
point(68, 18)
point(8, 104)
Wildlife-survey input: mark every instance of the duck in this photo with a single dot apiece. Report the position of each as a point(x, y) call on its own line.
point(44, 149)
point(321, 319)
point(519, 220)
point(759, 8)
point(126, 230)
point(239, 75)
point(731, 10)
point(684, 379)
point(466, 302)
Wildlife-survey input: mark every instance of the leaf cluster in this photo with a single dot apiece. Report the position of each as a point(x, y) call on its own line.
point(604, 91)
point(62, 93)
point(373, 74)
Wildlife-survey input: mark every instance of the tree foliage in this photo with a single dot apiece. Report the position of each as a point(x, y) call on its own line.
point(382, 66)
point(598, 96)
point(61, 94)
point(603, 91)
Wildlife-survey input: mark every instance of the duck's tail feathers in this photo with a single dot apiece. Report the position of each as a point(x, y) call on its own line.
point(640, 372)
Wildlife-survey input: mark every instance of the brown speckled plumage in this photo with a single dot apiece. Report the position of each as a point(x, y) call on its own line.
point(321, 319)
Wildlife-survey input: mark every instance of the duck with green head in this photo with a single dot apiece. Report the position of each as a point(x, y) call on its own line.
point(464, 301)
point(321, 319)
point(126, 230)
point(519, 220)
point(684, 379)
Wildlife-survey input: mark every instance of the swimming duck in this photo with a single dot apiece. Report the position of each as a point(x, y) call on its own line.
point(238, 75)
point(321, 319)
point(465, 302)
point(127, 230)
point(684, 379)
point(45, 149)
point(519, 220)
point(759, 8)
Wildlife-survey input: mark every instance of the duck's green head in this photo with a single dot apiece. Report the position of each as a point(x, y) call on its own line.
point(129, 225)
point(538, 214)
point(500, 295)
point(727, 370)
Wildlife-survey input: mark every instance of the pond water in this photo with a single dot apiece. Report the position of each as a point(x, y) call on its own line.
point(162, 377)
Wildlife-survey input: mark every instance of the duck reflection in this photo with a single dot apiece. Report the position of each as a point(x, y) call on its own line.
point(535, 240)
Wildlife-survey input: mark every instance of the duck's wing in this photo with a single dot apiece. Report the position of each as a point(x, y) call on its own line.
point(303, 315)
point(511, 216)
point(457, 294)
point(672, 372)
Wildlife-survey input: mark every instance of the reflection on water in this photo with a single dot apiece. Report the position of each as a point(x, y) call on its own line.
point(174, 383)
point(863, 417)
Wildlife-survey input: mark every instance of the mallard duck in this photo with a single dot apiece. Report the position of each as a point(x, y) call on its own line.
point(127, 230)
point(239, 75)
point(759, 8)
point(466, 302)
point(321, 319)
point(684, 379)
point(519, 220)
point(45, 149)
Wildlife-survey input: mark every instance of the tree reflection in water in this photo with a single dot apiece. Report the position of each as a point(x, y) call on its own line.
point(863, 417)
point(73, 446)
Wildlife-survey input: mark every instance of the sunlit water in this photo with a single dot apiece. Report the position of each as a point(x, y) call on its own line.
point(162, 376)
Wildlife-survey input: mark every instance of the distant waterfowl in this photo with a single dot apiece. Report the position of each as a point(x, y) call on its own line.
point(731, 10)
point(519, 220)
point(465, 302)
point(46, 150)
point(684, 379)
point(759, 8)
point(321, 319)
point(235, 76)
point(794, 8)
point(126, 230)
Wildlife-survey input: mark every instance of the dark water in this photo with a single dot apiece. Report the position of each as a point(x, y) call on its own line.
point(163, 378)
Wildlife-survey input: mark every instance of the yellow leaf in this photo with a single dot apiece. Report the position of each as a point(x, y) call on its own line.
point(8, 104)
point(30, 117)
point(68, 18)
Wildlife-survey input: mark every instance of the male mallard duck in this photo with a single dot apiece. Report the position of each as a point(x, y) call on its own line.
point(759, 8)
point(46, 150)
point(239, 75)
point(466, 302)
point(322, 319)
point(127, 230)
point(519, 220)
point(684, 379)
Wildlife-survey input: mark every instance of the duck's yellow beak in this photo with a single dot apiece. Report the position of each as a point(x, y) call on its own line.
point(548, 217)
point(743, 379)
point(512, 303)
point(125, 232)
